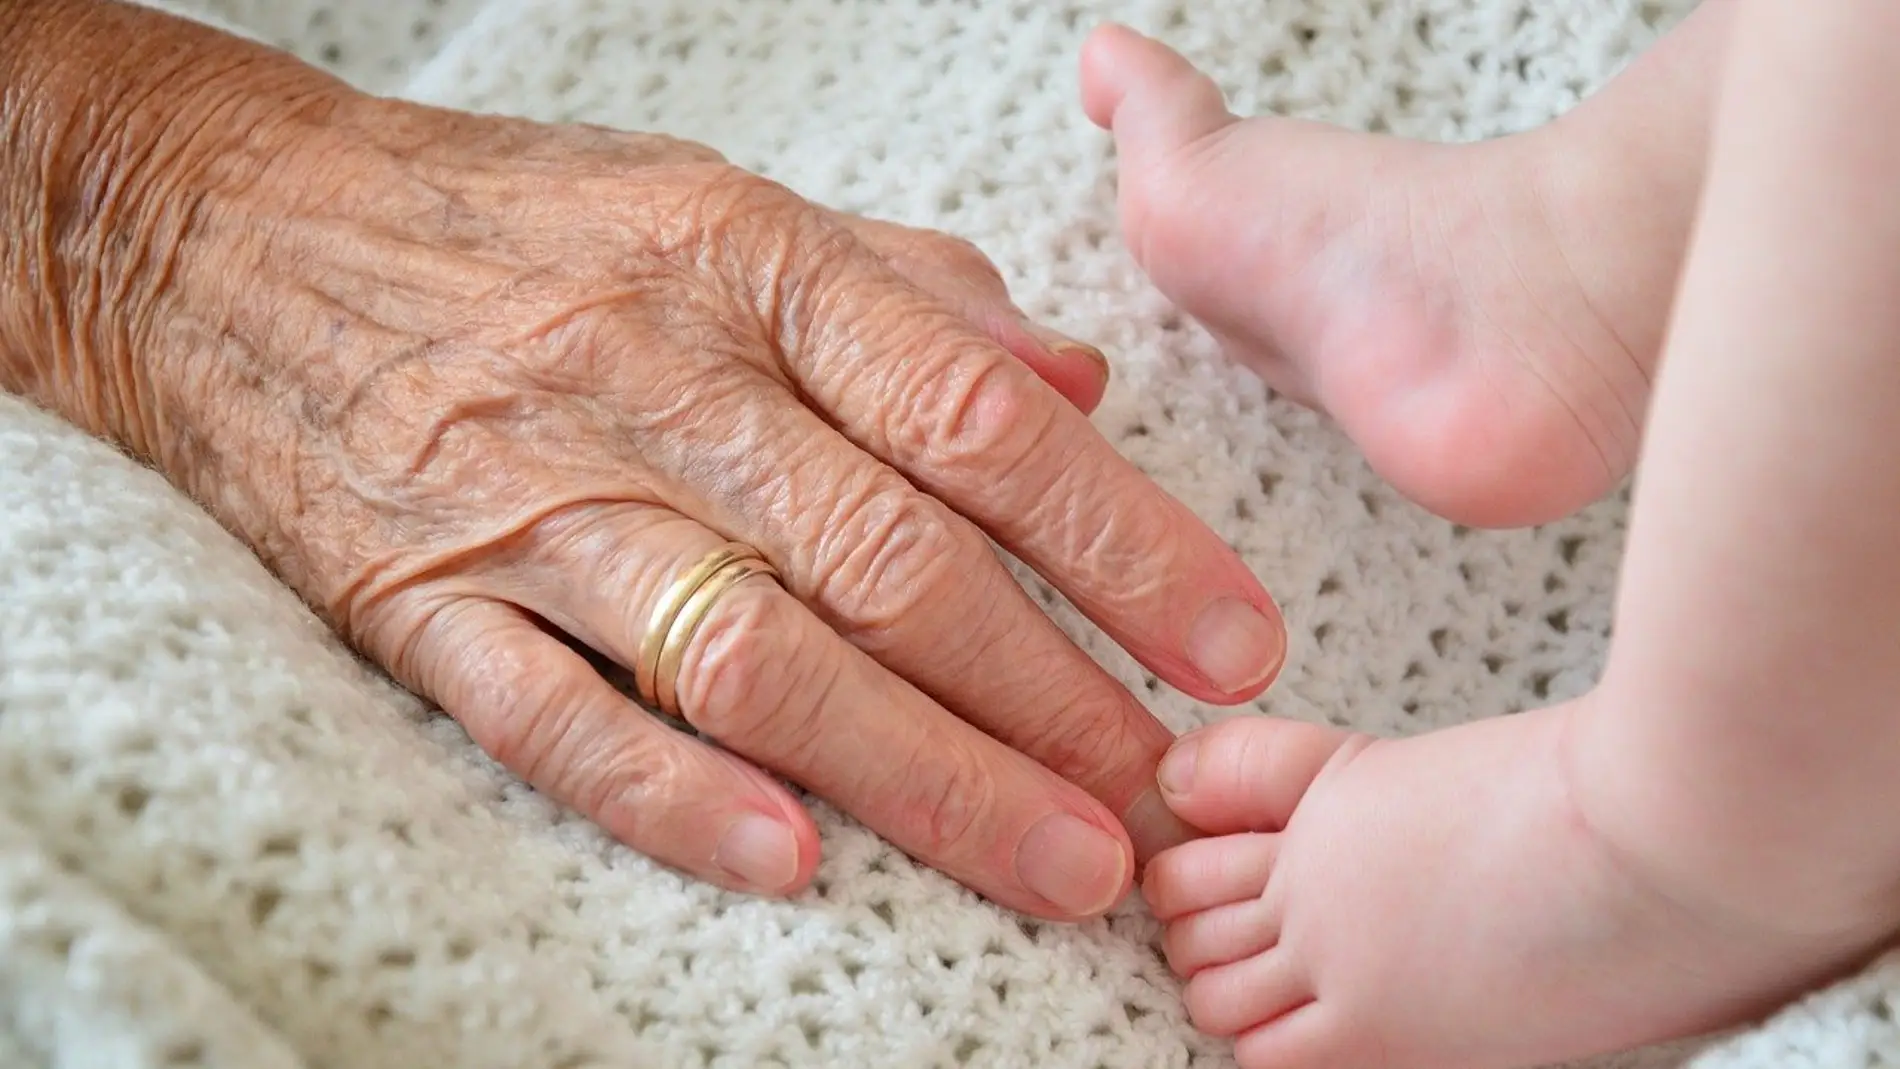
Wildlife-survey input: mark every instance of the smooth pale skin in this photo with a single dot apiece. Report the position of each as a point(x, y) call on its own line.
point(1711, 830)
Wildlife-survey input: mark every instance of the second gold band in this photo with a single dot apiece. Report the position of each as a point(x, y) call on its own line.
point(687, 623)
point(680, 612)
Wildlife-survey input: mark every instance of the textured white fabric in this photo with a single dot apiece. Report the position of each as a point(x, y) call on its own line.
point(226, 842)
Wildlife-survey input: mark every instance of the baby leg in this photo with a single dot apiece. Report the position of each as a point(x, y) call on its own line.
point(1710, 831)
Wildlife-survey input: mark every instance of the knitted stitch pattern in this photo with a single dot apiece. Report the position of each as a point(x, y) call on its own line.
point(225, 841)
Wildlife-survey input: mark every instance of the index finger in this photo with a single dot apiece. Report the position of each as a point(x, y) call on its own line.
point(915, 385)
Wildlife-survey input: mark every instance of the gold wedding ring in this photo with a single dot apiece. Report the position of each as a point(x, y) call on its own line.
point(679, 614)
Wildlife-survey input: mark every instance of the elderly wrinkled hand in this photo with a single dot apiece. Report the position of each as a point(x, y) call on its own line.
point(484, 391)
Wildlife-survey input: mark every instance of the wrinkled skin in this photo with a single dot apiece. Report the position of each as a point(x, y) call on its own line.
point(479, 389)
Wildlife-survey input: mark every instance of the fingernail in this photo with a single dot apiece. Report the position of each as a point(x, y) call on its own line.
point(1088, 352)
point(1154, 827)
point(1072, 864)
point(1063, 345)
point(759, 851)
point(1176, 774)
point(1235, 646)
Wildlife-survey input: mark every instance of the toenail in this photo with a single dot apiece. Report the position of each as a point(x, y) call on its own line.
point(1176, 774)
point(1072, 864)
point(1235, 646)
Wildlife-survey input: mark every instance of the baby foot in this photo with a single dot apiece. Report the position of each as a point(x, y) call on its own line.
point(1482, 319)
point(1440, 903)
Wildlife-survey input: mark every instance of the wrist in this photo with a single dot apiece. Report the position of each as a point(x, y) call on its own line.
point(122, 131)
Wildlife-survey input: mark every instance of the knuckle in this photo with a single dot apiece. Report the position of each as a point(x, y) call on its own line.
point(1090, 743)
point(889, 554)
point(412, 631)
point(535, 708)
point(953, 807)
point(740, 241)
point(697, 198)
point(629, 777)
point(726, 208)
point(546, 716)
point(538, 714)
point(754, 676)
point(1126, 557)
point(978, 415)
point(952, 403)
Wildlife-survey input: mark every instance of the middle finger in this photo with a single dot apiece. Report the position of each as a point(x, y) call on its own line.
point(915, 385)
point(916, 586)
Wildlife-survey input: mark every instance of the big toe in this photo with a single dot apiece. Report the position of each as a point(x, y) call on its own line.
point(1152, 98)
point(1246, 774)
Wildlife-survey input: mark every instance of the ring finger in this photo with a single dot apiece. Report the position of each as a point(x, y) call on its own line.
point(917, 587)
point(766, 678)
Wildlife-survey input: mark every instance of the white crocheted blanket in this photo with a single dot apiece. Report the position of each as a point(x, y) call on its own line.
point(224, 841)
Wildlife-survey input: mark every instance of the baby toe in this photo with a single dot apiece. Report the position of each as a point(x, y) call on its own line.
point(1232, 998)
point(1248, 773)
point(1309, 1037)
point(1153, 99)
point(1208, 872)
point(1220, 935)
